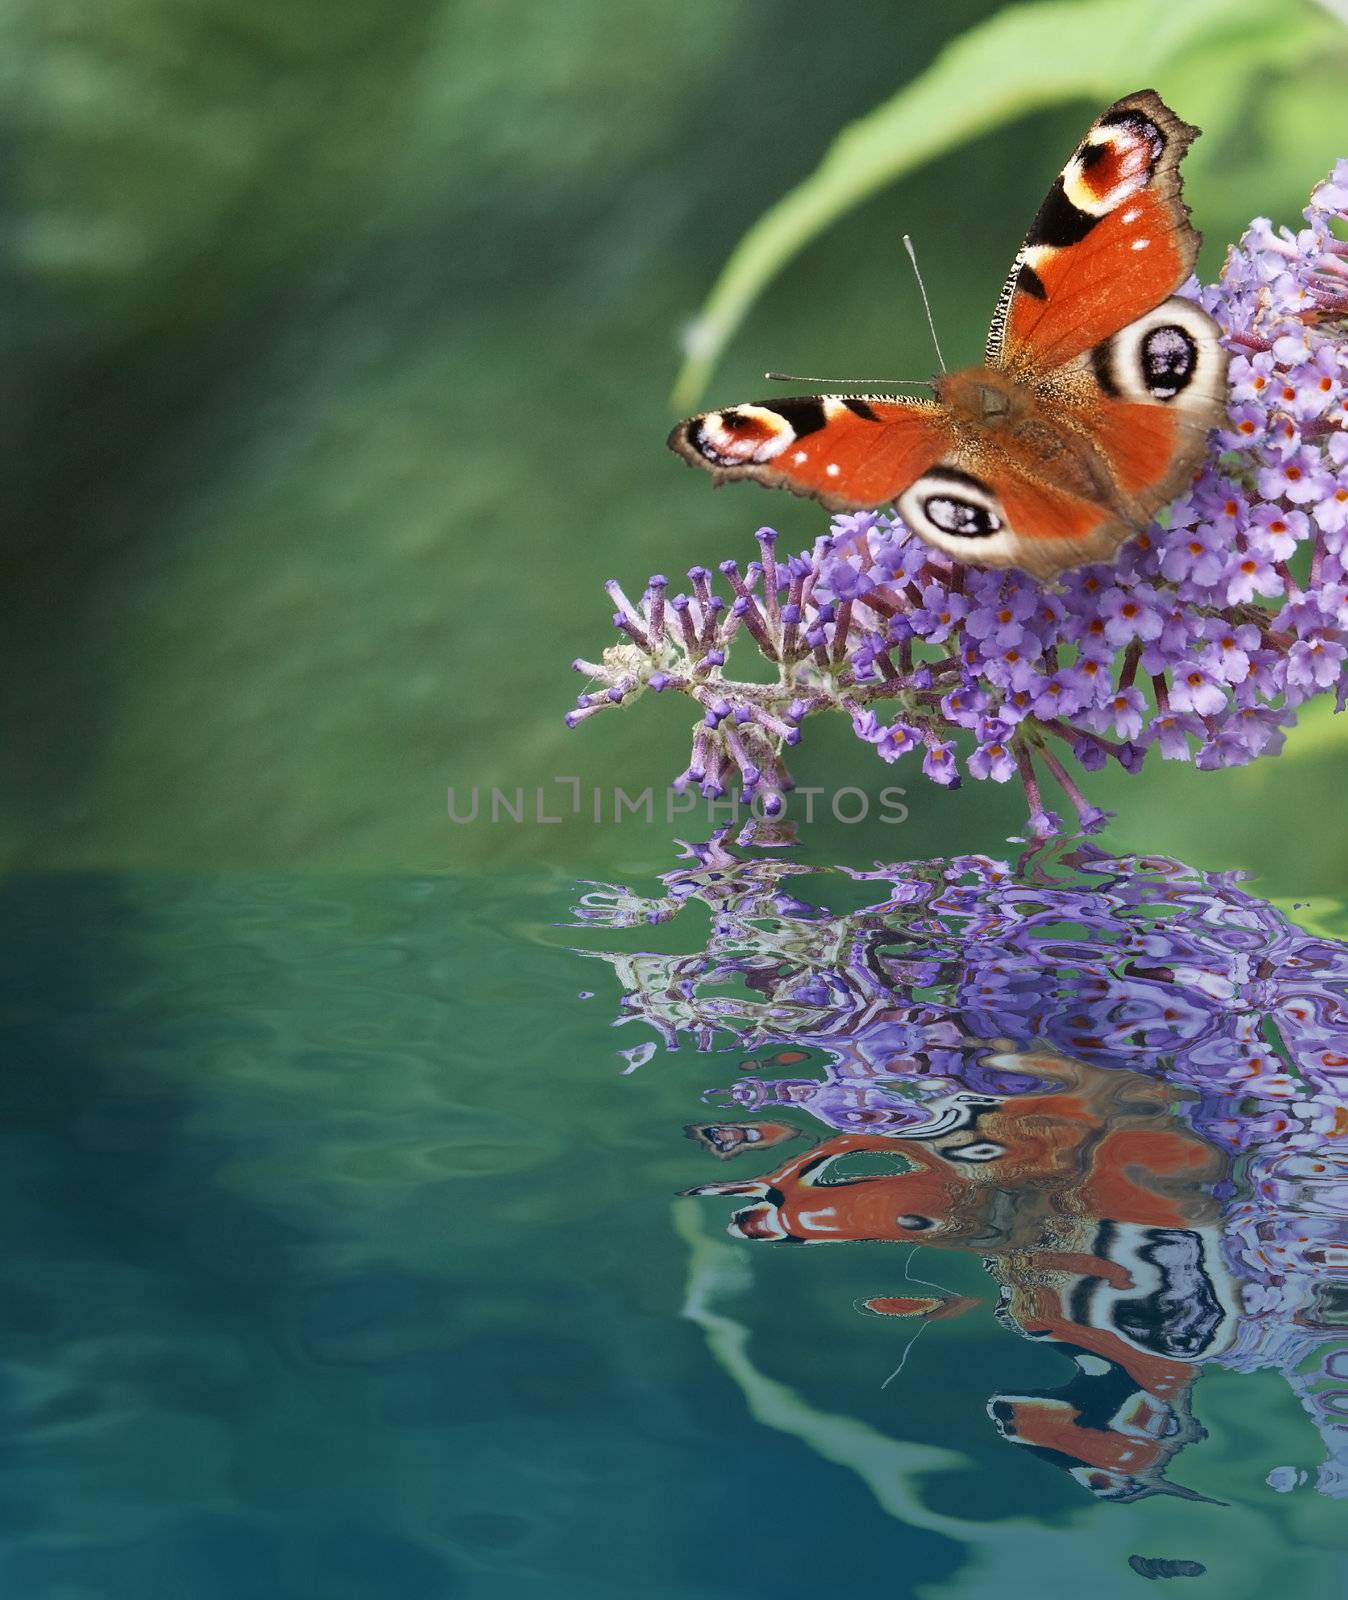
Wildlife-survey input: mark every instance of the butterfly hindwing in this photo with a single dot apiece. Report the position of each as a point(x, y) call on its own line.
point(1007, 517)
point(1158, 387)
point(847, 452)
point(1110, 242)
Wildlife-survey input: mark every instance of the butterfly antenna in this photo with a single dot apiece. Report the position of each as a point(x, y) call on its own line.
point(922, 1327)
point(926, 304)
point(886, 383)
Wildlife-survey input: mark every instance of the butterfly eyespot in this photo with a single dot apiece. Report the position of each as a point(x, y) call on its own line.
point(967, 519)
point(914, 1224)
point(948, 507)
point(742, 435)
point(984, 1150)
point(1115, 164)
point(1169, 358)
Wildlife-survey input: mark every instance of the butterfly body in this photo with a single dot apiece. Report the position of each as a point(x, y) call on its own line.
point(1089, 413)
point(1001, 422)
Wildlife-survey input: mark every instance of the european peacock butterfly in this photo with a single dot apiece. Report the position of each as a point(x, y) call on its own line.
point(1091, 410)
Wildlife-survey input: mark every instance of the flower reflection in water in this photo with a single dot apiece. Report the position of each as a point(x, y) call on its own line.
point(1118, 1081)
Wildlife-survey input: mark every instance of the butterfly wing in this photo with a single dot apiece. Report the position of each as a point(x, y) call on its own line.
point(1126, 432)
point(1004, 516)
point(849, 452)
point(1148, 398)
point(1111, 241)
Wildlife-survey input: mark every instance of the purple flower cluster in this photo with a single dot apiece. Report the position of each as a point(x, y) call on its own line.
point(963, 972)
point(1199, 641)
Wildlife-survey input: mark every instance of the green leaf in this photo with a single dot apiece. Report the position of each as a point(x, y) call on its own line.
point(1024, 58)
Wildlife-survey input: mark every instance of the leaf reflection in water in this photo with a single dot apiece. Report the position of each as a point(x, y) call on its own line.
point(1117, 1080)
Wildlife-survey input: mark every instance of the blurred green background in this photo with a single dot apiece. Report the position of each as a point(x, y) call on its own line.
point(339, 348)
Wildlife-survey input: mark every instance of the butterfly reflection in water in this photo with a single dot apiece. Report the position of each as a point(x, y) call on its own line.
point(1116, 1081)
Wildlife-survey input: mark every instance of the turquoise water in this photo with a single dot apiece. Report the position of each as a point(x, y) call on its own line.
point(346, 1256)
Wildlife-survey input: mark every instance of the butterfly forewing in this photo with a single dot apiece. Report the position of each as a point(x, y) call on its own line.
point(848, 452)
point(1111, 240)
